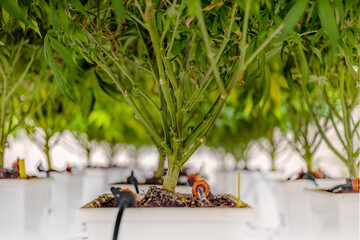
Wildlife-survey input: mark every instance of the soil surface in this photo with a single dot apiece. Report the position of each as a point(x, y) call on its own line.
point(152, 181)
point(158, 197)
point(317, 175)
point(341, 190)
point(5, 175)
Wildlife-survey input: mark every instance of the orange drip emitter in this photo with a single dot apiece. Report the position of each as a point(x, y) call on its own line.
point(201, 190)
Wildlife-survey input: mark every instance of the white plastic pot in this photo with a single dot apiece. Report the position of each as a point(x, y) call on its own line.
point(94, 183)
point(267, 220)
point(66, 193)
point(335, 215)
point(167, 223)
point(227, 182)
point(143, 188)
point(296, 213)
point(24, 208)
point(117, 174)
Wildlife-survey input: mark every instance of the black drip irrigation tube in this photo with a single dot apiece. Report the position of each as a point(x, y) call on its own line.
point(351, 185)
point(132, 180)
point(307, 175)
point(41, 169)
point(122, 200)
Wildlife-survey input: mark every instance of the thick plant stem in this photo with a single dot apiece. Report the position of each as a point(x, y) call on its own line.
point(2, 158)
point(47, 152)
point(353, 169)
point(273, 167)
point(171, 177)
point(88, 157)
point(160, 170)
point(308, 159)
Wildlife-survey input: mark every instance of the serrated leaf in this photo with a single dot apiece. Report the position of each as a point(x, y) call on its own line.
point(5, 15)
point(317, 36)
point(55, 68)
point(304, 66)
point(289, 78)
point(119, 9)
point(14, 10)
point(78, 6)
point(54, 18)
point(293, 17)
point(351, 38)
point(108, 88)
point(63, 52)
point(327, 18)
point(317, 53)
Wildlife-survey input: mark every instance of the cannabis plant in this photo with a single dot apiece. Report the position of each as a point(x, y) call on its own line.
point(180, 59)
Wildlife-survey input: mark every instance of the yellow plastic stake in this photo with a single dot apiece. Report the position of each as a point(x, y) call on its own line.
point(239, 201)
point(22, 169)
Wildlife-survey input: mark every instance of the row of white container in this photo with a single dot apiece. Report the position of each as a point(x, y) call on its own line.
point(283, 203)
point(295, 209)
point(45, 208)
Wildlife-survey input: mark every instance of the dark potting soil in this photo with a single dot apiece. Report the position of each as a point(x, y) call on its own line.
point(5, 175)
point(152, 181)
point(158, 197)
point(341, 190)
point(316, 175)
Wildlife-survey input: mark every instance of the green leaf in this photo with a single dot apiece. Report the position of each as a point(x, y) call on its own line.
point(317, 36)
point(6, 64)
point(119, 9)
point(78, 6)
point(54, 18)
point(108, 88)
point(63, 51)
point(327, 18)
point(293, 17)
point(289, 78)
point(14, 10)
point(317, 53)
point(55, 68)
point(304, 67)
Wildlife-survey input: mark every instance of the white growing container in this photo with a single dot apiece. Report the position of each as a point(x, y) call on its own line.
point(94, 183)
point(227, 182)
point(167, 223)
point(143, 188)
point(24, 208)
point(267, 220)
point(96, 180)
point(296, 212)
point(66, 194)
point(335, 215)
point(117, 174)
